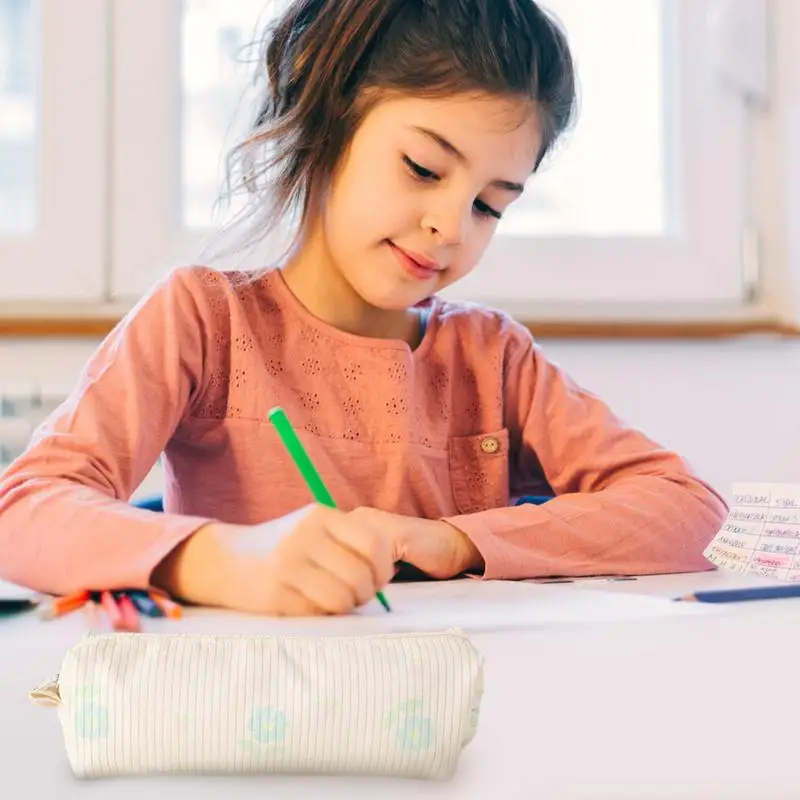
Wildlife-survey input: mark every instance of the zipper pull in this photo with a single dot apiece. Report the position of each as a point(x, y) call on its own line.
point(46, 695)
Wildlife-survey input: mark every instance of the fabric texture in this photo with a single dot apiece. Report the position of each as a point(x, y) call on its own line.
point(403, 705)
point(456, 429)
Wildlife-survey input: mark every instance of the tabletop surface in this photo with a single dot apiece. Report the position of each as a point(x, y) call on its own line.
point(691, 706)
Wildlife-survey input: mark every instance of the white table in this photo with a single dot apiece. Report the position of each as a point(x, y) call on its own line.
point(688, 707)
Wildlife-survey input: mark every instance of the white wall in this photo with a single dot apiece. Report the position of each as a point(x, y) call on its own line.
point(732, 408)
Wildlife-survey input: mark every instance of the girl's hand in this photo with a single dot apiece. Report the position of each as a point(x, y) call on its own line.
point(316, 561)
point(435, 547)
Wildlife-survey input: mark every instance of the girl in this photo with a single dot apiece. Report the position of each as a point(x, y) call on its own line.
point(399, 131)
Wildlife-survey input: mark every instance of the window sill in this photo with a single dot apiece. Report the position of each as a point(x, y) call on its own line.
point(663, 330)
point(98, 325)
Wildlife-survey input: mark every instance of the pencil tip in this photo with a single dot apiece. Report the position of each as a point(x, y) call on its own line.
point(383, 601)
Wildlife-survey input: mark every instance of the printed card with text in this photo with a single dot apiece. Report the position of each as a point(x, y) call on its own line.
point(762, 532)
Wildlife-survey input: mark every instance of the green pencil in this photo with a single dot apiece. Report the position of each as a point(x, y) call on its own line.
point(308, 471)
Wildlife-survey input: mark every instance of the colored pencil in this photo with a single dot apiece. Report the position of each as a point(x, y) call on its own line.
point(742, 595)
point(170, 609)
point(145, 604)
point(130, 616)
point(277, 416)
point(59, 606)
point(109, 605)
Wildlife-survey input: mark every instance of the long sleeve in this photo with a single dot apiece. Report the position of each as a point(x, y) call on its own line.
point(623, 505)
point(65, 520)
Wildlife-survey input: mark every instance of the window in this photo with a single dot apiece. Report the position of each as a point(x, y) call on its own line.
point(644, 209)
point(609, 176)
point(622, 213)
point(52, 130)
point(17, 118)
point(601, 184)
point(216, 56)
point(169, 151)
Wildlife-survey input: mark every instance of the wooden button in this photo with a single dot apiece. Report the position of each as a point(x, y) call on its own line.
point(490, 445)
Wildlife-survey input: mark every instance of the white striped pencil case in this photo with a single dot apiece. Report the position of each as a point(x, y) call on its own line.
point(403, 705)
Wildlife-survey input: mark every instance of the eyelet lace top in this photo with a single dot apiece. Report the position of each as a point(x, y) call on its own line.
point(455, 429)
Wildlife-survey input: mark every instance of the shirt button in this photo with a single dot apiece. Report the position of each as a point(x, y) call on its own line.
point(490, 445)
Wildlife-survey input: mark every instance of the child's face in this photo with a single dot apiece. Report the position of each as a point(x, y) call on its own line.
point(426, 179)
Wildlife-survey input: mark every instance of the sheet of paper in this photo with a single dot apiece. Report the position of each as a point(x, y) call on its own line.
point(470, 605)
point(762, 532)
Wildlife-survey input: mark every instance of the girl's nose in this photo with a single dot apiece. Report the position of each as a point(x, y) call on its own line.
point(448, 221)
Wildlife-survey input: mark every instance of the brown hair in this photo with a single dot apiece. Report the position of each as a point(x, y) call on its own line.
point(320, 59)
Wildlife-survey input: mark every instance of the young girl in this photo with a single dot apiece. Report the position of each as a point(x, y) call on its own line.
point(401, 131)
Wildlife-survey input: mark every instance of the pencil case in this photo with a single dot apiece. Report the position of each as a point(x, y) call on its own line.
point(402, 705)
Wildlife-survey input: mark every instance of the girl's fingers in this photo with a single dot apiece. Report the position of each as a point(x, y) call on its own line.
point(367, 541)
point(292, 603)
point(346, 566)
point(322, 589)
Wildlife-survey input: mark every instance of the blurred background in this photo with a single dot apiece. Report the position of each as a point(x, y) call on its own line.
point(656, 255)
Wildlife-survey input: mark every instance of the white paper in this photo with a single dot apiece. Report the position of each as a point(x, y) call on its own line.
point(762, 532)
point(470, 605)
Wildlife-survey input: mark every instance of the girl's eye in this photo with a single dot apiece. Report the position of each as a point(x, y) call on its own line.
point(487, 211)
point(419, 172)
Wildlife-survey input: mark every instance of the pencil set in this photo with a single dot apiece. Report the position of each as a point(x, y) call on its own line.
point(123, 609)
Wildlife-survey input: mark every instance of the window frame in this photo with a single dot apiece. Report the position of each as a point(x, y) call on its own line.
point(784, 156)
point(65, 257)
